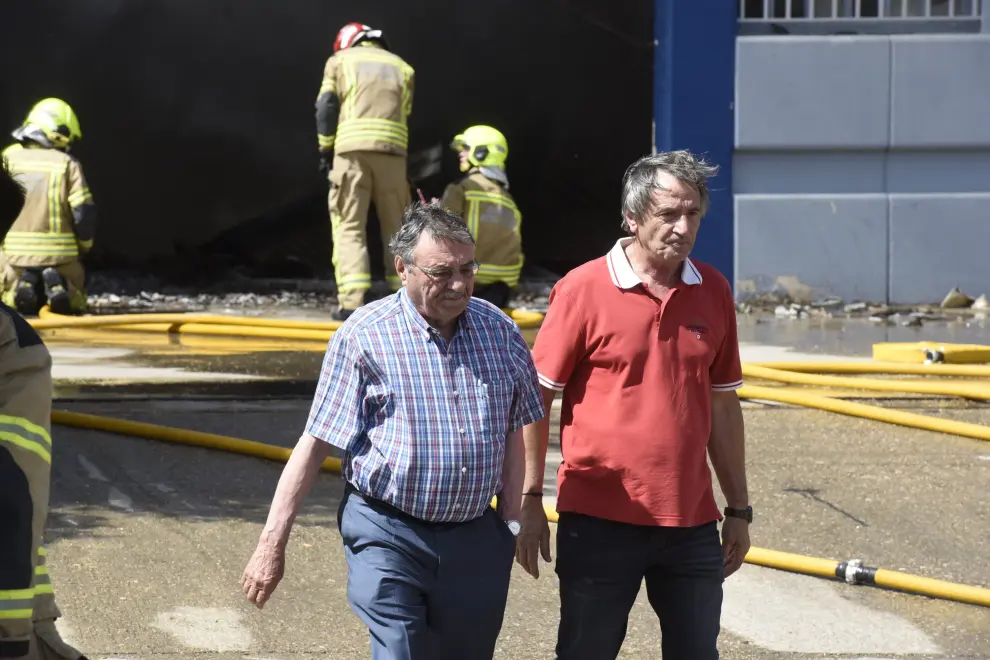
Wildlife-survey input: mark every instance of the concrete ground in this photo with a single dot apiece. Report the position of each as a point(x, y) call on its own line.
point(147, 539)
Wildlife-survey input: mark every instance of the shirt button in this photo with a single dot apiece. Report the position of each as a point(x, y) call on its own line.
point(463, 469)
point(461, 431)
point(455, 392)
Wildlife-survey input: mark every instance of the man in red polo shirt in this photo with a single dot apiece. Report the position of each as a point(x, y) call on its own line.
point(642, 342)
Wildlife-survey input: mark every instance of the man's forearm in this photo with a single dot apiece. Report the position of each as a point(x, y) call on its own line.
point(513, 471)
point(293, 486)
point(727, 449)
point(536, 437)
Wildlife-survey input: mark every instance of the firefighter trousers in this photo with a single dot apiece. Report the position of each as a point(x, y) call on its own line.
point(73, 274)
point(357, 180)
point(27, 600)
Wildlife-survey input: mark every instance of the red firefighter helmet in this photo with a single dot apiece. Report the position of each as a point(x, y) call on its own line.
point(354, 33)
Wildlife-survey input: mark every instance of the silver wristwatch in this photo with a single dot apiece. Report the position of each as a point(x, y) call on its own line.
point(513, 526)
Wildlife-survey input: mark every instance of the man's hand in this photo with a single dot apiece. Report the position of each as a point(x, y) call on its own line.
point(735, 543)
point(263, 573)
point(534, 536)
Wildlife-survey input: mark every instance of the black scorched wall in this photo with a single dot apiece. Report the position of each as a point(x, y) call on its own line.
point(198, 116)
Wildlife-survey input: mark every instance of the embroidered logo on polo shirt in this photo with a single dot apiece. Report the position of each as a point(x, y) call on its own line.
point(698, 327)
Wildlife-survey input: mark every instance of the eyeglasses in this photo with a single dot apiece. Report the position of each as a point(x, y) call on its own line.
point(444, 273)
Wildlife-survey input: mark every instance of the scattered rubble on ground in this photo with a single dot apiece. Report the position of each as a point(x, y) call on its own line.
point(956, 299)
point(955, 306)
point(120, 292)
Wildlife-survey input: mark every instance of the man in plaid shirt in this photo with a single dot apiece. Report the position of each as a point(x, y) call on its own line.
point(425, 393)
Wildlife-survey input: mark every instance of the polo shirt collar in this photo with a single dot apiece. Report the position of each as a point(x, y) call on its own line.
point(464, 321)
point(623, 275)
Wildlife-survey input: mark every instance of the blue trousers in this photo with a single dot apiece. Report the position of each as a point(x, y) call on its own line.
point(426, 591)
point(602, 564)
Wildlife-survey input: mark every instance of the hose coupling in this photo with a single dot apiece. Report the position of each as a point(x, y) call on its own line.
point(853, 567)
point(854, 572)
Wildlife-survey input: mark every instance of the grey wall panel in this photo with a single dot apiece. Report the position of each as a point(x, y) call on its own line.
point(938, 242)
point(938, 171)
point(876, 171)
point(822, 172)
point(831, 129)
point(812, 92)
point(940, 91)
point(828, 244)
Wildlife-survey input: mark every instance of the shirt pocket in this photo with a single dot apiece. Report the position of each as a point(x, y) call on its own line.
point(697, 346)
point(494, 402)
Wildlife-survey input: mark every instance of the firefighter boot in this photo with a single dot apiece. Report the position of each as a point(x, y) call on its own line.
point(56, 292)
point(26, 290)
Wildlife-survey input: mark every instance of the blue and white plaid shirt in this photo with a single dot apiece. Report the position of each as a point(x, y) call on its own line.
point(422, 424)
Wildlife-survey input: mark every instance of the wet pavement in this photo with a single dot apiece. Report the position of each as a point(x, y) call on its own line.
point(856, 336)
point(147, 539)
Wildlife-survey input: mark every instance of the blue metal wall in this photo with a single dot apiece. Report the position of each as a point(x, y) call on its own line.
point(694, 60)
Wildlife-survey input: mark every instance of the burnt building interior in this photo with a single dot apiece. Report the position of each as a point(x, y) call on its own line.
point(198, 126)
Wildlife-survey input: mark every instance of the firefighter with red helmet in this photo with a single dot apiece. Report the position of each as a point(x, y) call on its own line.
point(362, 110)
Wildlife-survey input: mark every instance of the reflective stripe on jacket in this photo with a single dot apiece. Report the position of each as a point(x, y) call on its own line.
point(373, 89)
point(495, 222)
point(57, 222)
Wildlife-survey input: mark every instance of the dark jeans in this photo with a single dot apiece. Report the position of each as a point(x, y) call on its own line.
point(601, 564)
point(426, 591)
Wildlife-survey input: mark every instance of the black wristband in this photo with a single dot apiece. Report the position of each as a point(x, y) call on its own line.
point(536, 494)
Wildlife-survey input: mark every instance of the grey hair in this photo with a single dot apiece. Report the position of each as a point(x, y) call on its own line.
point(640, 180)
point(432, 218)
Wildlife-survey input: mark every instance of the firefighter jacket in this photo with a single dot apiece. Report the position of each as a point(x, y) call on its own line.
point(58, 222)
point(365, 101)
point(494, 220)
point(25, 477)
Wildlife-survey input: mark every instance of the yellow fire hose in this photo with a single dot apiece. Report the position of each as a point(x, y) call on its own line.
point(853, 572)
point(969, 390)
point(287, 329)
point(889, 368)
point(899, 417)
point(929, 352)
point(223, 325)
point(922, 358)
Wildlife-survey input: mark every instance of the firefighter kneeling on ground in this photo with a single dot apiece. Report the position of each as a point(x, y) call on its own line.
point(362, 109)
point(40, 256)
point(482, 198)
point(27, 601)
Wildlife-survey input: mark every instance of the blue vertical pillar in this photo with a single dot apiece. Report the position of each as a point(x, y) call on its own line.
point(693, 94)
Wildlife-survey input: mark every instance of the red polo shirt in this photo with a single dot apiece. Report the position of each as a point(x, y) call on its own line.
point(637, 377)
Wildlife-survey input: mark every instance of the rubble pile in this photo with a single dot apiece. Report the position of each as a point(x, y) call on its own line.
point(120, 292)
point(956, 306)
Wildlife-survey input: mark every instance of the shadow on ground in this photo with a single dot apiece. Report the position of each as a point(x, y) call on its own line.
point(98, 477)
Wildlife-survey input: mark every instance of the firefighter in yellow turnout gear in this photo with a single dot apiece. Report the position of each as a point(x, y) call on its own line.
point(27, 601)
point(482, 198)
point(362, 132)
point(40, 256)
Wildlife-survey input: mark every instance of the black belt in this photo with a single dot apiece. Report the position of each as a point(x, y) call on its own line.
point(392, 510)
